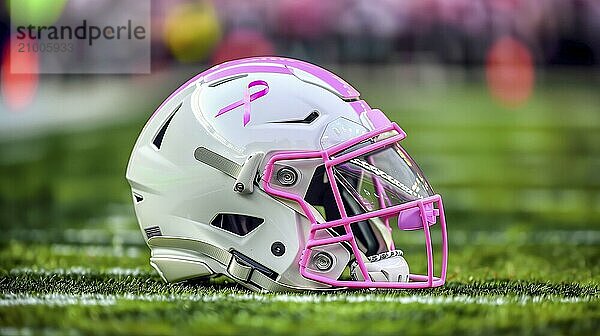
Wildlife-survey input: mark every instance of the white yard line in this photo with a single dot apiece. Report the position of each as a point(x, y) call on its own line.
point(60, 299)
point(10, 300)
point(119, 271)
point(97, 250)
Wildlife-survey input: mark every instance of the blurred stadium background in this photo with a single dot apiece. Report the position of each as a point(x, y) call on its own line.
point(499, 98)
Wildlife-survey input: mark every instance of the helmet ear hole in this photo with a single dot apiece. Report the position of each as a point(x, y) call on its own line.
point(237, 224)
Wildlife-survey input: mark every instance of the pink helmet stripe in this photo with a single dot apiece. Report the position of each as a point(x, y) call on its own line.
point(244, 69)
point(360, 106)
point(242, 66)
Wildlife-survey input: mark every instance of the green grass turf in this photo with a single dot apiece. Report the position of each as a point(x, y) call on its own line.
point(531, 289)
point(521, 191)
point(138, 304)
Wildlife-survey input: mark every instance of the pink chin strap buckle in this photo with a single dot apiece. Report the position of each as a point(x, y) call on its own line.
point(410, 219)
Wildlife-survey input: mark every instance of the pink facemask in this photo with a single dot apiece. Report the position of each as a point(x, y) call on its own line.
point(371, 180)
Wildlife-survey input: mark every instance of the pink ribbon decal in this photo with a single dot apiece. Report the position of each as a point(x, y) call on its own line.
point(246, 100)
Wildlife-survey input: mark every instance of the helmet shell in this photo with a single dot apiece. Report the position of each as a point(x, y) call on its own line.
point(181, 196)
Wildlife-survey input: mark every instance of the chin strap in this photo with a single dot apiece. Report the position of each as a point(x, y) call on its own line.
point(239, 270)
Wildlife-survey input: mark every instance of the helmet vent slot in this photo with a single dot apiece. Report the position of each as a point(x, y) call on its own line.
point(237, 224)
point(158, 138)
point(138, 198)
point(312, 116)
point(227, 79)
point(152, 231)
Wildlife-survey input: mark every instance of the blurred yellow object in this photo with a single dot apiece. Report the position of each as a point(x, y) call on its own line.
point(35, 12)
point(191, 31)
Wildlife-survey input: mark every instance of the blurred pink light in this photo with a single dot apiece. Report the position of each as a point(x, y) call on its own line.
point(19, 76)
point(510, 72)
point(304, 18)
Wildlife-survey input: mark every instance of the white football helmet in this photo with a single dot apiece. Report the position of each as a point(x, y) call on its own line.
point(273, 172)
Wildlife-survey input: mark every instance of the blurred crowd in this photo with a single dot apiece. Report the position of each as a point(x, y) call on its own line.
point(448, 31)
point(565, 32)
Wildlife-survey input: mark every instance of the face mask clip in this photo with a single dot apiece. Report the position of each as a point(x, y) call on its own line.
point(244, 183)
